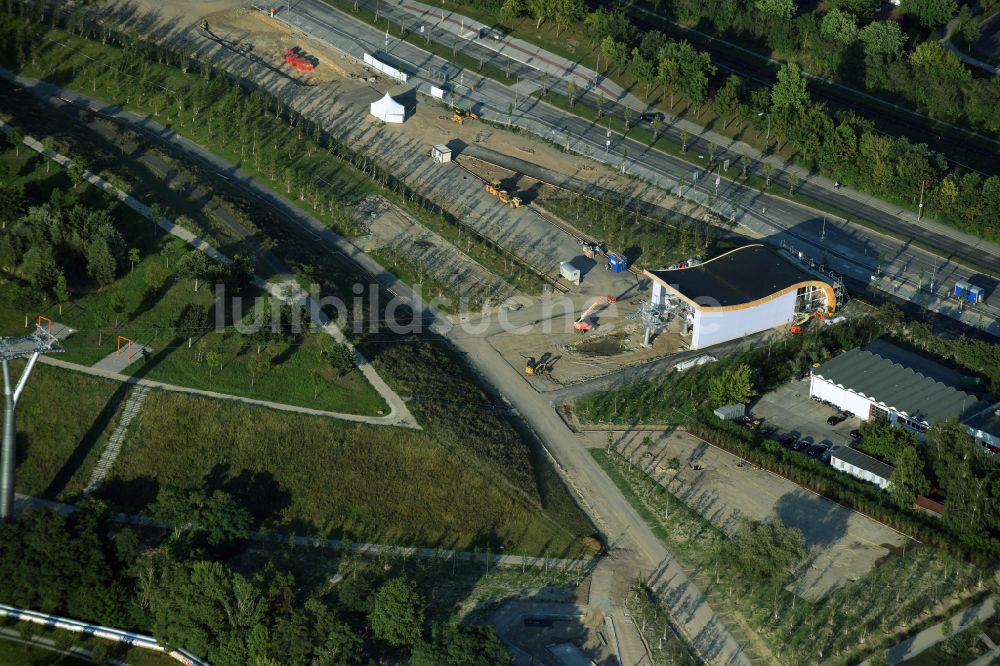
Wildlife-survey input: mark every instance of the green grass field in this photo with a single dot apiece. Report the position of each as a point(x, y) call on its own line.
point(318, 476)
point(64, 420)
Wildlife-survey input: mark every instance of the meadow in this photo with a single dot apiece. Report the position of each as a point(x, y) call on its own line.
point(64, 420)
point(310, 475)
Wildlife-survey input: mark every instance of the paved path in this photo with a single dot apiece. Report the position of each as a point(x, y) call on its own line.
point(129, 379)
point(398, 414)
point(118, 360)
point(621, 523)
point(964, 57)
point(933, 635)
point(111, 450)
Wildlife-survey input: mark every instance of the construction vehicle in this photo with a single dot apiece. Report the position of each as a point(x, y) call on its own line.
point(295, 58)
point(461, 115)
point(798, 321)
point(583, 324)
point(541, 367)
point(504, 196)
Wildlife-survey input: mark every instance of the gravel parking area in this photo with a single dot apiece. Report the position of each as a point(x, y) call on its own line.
point(791, 411)
point(844, 545)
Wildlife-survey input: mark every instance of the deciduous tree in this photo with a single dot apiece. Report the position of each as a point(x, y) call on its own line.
point(397, 612)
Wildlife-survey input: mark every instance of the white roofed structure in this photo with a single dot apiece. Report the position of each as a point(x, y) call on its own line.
point(388, 110)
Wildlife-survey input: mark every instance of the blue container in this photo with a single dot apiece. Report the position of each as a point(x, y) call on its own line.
point(960, 289)
point(974, 294)
point(617, 263)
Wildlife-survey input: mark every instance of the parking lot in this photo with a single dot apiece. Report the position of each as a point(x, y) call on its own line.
point(790, 411)
point(844, 545)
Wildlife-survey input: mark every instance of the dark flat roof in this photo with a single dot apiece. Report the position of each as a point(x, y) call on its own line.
point(988, 422)
point(743, 275)
point(907, 382)
point(862, 461)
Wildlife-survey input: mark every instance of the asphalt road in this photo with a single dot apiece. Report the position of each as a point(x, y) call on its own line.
point(852, 250)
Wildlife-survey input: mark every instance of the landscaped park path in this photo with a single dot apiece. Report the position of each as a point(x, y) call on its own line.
point(399, 414)
point(152, 383)
point(623, 527)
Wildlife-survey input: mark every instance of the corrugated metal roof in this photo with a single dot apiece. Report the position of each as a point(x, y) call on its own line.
point(902, 380)
point(862, 461)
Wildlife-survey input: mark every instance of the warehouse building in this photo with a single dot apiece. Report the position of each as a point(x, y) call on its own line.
point(744, 291)
point(881, 380)
point(861, 465)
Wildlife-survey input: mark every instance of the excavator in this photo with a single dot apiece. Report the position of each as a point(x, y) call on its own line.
point(461, 115)
point(504, 196)
point(583, 324)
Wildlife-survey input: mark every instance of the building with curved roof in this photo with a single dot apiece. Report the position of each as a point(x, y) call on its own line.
point(746, 290)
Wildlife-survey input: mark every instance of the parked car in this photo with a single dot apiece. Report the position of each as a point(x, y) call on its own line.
point(799, 445)
point(787, 441)
point(825, 457)
point(855, 434)
point(816, 449)
point(836, 419)
point(650, 116)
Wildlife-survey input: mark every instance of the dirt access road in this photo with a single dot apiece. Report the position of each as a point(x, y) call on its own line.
point(625, 529)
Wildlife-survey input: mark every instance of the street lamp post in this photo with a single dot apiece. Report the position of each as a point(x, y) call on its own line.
point(761, 115)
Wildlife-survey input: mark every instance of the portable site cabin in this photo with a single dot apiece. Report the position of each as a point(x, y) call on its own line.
point(388, 110)
point(617, 262)
point(441, 153)
point(731, 412)
point(569, 271)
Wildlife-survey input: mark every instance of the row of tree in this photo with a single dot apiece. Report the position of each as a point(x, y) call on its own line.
point(841, 145)
point(964, 473)
point(845, 43)
point(181, 590)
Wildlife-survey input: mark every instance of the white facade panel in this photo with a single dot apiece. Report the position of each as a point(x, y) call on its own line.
point(713, 327)
point(857, 473)
point(841, 397)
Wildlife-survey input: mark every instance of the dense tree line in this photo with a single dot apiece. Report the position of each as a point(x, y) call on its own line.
point(61, 248)
point(183, 590)
point(840, 145)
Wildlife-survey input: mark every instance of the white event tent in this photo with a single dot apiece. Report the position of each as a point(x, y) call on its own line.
point(388, 110)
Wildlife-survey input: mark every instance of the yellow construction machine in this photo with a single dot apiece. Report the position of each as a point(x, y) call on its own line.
point(504, 196)
point(461, 115)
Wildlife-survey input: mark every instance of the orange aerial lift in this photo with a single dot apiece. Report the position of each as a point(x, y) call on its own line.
point(583, 324)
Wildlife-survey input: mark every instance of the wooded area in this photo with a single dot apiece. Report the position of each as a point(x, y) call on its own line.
point(185, 591)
